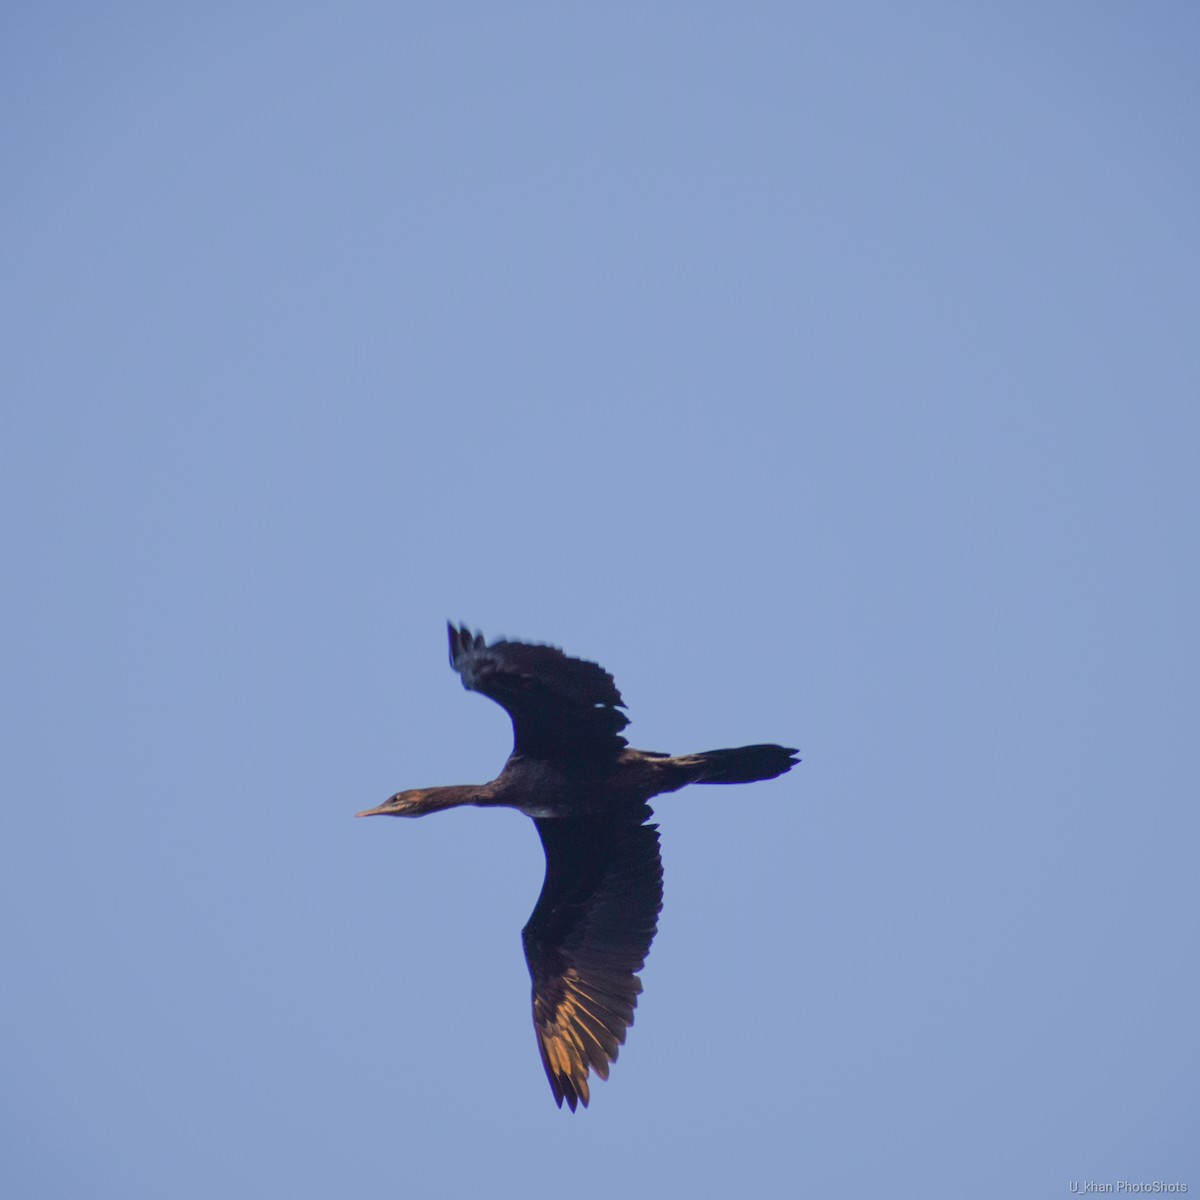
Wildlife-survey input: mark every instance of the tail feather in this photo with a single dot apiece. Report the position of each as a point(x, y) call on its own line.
point(745, 764)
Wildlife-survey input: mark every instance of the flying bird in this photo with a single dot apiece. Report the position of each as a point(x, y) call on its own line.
point(587, 792)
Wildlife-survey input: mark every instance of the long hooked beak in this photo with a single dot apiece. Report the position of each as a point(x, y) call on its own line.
point(373, 812)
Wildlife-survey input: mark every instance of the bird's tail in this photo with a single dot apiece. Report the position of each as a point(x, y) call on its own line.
point(745, 764)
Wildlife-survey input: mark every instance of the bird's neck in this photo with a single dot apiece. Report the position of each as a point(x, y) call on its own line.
point(435, 799)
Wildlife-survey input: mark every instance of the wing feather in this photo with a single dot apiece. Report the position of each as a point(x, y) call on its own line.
point(588, 937)
point(561, 708)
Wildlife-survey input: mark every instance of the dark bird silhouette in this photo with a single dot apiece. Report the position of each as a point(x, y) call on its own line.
point(573, 773)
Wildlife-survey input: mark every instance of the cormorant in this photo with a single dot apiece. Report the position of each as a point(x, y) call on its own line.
point(571, 771)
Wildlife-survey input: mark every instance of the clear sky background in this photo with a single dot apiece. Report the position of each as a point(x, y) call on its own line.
point(828, 372)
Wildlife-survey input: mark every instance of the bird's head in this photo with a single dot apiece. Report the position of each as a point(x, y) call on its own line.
point(414, 803)
point(419, 801)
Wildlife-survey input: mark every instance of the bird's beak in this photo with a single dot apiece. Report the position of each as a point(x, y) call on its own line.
point(373, 812)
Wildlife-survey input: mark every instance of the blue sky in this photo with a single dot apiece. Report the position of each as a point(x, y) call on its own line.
point(827, 372)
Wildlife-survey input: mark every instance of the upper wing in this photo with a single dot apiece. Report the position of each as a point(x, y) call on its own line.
point(560, 707)
point(589, 934)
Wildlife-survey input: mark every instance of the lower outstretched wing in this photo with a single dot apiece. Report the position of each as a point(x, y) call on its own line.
point(588, 937)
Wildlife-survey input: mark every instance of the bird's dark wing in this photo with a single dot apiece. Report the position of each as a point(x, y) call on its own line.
point(561, 708)
point(588, 937)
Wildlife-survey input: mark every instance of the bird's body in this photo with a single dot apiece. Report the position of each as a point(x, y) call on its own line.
point(542, 789)
point(586, 791)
